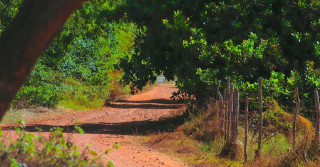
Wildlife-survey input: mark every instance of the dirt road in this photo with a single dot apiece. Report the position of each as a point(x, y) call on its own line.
point(123, 122)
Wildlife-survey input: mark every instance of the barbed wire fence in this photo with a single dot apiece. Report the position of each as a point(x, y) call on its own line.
point(229, 111)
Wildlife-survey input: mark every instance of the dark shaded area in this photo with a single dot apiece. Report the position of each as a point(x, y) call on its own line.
point(122, 128)
point(158, 101)
point(145, 106)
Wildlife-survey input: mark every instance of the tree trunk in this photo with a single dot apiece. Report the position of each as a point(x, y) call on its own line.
point(22, 43)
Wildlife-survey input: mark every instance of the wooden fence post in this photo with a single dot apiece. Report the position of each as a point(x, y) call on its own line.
point(218, 87)
point(225, 113)
point(234, 130)
point(237, 106)
point(230, 108)
point(295, 118)
point(246, 129)
point(221, 112)
point(316, 99)
point(258, 152)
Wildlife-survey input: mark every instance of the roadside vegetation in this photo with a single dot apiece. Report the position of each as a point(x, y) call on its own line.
point(107, 48)
point(110, 48)
point(38, 149)
point(199, 141)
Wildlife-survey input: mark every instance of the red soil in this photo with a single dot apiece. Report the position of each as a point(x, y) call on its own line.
point(122, 122)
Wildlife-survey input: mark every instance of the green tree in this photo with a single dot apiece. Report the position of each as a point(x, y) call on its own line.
point(201, 42)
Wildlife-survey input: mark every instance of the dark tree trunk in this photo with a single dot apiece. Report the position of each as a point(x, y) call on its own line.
point(30, 33)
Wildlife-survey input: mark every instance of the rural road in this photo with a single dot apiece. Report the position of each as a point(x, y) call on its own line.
point(122, 122)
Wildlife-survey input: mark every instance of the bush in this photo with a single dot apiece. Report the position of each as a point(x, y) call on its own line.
point(42, 88)
point(39, 150)
point(44, 95)
point(276, 120)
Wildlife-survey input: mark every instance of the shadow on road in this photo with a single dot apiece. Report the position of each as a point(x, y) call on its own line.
point(123, 128)
point(147, 104)
point(157, 101)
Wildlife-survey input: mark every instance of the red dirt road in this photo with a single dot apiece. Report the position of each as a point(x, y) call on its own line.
point(123, 122)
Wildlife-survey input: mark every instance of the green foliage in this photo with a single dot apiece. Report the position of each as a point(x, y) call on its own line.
point(83, 96)
point(198, 42)
point(205, 41)
point(8, 8)
point(42, 88)
point(79, 69)
point(40, 150)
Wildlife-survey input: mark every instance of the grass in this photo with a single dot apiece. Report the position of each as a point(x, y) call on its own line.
point(189, 150)
point(199, 142)
point(30, 114)
point(202, 154)
point(77, 105)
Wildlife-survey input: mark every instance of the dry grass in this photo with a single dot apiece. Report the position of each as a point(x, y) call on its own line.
point(191, 151)
point(199, 143)
point(278, 120)
point(205, 125)
point(307, 154)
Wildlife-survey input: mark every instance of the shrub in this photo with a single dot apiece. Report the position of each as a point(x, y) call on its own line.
point(276, 120)
point(42, 88)
point(39, 150)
